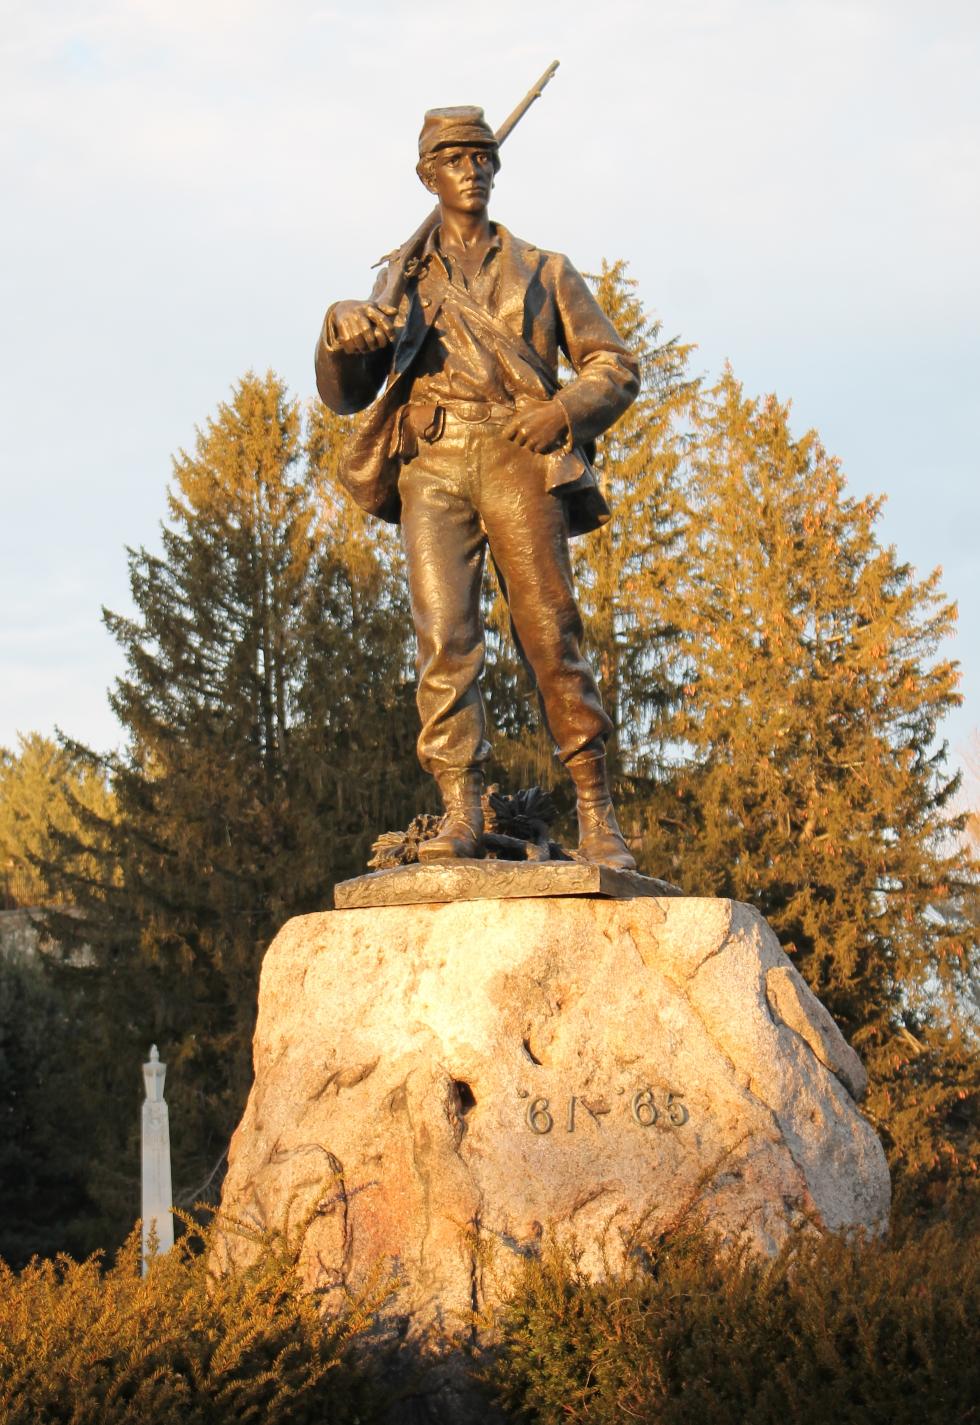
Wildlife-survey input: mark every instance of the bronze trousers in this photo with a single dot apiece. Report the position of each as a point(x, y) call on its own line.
point(468, 489)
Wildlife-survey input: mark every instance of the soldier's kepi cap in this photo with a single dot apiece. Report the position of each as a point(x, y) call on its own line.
point(443, 128)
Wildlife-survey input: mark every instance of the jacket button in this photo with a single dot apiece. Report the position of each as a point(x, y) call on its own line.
point(426, 302)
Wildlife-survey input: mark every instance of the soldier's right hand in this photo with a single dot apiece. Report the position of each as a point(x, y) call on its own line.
point(361, 327)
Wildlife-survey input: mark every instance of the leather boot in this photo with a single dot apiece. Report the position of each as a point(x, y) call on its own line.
point(462, 824)
point(599, 837)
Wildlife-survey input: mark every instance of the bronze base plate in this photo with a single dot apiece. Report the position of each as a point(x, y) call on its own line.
point(470, 880)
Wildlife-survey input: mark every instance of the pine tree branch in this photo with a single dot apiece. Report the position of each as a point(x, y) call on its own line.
point(189, 1198)
point(916, 1044)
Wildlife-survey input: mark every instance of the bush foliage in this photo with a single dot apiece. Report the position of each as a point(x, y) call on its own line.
point(833, 1331)
point(107, 1346)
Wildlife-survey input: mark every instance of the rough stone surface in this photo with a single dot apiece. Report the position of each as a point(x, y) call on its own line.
point(493, 880)
point(406, 1056)
point(793, 1001)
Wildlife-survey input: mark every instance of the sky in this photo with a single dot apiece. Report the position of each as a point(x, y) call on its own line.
point(186, 187)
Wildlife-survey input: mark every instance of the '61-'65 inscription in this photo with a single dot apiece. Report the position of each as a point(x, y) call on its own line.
point(541, 1113)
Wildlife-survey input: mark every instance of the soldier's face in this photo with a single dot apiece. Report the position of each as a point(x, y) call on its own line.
point(462, 178)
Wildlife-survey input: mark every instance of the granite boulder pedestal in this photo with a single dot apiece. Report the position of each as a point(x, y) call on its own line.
point(441, 1082)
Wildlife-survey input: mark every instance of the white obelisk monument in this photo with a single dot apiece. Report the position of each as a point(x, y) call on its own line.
point(158, 1222)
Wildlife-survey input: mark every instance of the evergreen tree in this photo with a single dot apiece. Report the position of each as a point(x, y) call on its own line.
point(41, 787)
point(775, 675)
point(626, 571)
point(43, 1199)
point(269, 740)
point(808, 781)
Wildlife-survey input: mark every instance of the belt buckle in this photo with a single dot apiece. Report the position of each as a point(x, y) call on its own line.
point(474, 412)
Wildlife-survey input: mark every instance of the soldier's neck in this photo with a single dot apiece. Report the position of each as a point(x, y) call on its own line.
point(464, 232)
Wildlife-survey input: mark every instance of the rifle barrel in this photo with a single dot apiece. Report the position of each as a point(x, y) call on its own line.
point(535, 92)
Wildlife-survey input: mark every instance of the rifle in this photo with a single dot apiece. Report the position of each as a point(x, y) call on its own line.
point(401, 263)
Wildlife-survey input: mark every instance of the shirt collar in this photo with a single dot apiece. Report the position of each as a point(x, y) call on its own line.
point(432, 249)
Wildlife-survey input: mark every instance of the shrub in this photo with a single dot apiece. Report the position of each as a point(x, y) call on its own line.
point(834, 1331)
point(88, 1345)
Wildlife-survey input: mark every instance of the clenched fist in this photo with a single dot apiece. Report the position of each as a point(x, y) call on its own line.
point(361, 327)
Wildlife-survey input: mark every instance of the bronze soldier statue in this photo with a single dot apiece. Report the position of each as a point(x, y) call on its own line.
point(472, 443)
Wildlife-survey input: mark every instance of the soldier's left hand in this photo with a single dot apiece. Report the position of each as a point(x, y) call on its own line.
point(540, 427)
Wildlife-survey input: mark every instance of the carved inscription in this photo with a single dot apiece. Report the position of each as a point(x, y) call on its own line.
point(537, 1118)
point(644, 1111)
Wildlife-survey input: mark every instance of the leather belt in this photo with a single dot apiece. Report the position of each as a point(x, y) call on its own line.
point(425, 421)
point(426, 416)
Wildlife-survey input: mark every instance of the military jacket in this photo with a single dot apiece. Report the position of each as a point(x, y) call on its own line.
point(537, 306)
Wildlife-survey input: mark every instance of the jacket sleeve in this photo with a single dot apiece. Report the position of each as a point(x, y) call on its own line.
point(348, 383)
point(607, 374)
